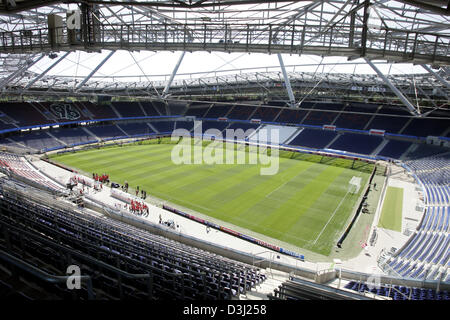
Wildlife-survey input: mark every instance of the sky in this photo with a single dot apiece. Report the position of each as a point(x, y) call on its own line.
point(157, 66)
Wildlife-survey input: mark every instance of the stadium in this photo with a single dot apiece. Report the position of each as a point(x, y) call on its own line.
point(225, 150)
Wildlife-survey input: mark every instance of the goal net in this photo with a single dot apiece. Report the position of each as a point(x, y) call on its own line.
point(354, 185)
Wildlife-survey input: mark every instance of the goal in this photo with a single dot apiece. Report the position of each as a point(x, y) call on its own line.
point(354, 185)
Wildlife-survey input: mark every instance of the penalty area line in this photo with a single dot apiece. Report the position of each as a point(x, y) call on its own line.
point(335, 210)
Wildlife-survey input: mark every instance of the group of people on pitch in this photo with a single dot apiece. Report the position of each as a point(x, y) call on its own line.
point(139, 208)
point(104, 178)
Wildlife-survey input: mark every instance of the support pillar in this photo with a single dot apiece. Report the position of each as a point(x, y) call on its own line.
point(172, 76)
point(94, 71)
point(286, 82)
point(40, 76)
point(412, 109)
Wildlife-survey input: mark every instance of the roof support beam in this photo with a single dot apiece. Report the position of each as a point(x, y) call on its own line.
point(412, 109)
point(142, 70)
point(365, 28)
point(435, 6)
point(331, 24)
point(301, 12)
point(437, 88)
point(351, 35)
point(172, 76)
point(287, 82)
point(40, 76)
point(94, 71)
point(446, 70)
point(20, 71)
point(436, 75)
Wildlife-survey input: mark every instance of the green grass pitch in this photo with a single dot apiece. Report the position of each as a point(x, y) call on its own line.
point(305, 204)
point(391, 213)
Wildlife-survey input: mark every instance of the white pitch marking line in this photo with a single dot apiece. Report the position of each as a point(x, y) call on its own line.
point(359, 175)
point(277, 188)
point(267, 195)
point(335, 210)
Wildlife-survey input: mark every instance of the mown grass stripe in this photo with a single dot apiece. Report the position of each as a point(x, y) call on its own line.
point(292, 206)
point(391, 213)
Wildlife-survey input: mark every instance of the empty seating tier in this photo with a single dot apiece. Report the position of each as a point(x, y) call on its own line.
point(214, 125)
point(100, 111)
point(357, 143)
point(124, 262)
point(389, 124)
point(164, 126)
point(394, 149)
point(399, 292)
point(160, 107)
point(128, 109)
point(248, 128)
point(150, 109)
point(73, 136)
point(38, 140)
point(188, 125)
point(426, 127)
point(426, 254)
point(217, 111)
point(241, 112)
point(352, 120)
point(266, 114)
point(319, 118)
point(299, 289)
point(136, 129)
point(292, 116)
point(107, 132)
point(317, 139)
point(198, 110)
point(24, 113)
point(21, 167)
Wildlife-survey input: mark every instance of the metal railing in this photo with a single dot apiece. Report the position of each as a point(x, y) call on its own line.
point(42, 275)
point(389, 43)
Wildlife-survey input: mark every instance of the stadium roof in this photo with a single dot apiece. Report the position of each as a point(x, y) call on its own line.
point(162, 48)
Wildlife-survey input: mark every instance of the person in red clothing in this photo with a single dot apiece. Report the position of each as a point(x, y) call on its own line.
point(146, 209)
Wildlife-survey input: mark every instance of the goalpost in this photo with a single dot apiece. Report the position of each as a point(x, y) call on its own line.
point(354, 185)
